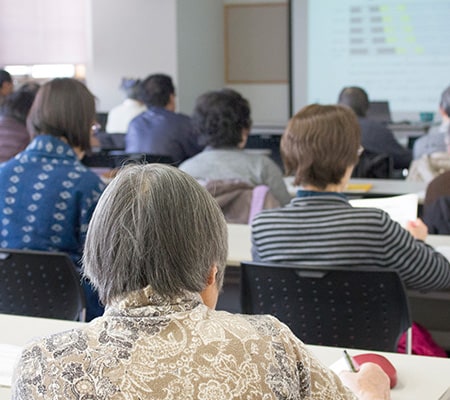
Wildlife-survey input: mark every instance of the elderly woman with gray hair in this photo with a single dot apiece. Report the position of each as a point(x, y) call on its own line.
point(156, 251)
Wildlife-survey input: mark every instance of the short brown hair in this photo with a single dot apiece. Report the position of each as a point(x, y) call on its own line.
point(65, 108)
point(320, 143)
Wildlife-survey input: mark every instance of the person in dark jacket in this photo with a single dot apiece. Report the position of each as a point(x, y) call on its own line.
point(160, 130)
point(375, 137)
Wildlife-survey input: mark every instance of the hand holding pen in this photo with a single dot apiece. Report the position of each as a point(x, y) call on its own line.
point(368, 382)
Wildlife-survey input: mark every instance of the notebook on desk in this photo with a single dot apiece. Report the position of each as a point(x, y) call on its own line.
point(379, 111)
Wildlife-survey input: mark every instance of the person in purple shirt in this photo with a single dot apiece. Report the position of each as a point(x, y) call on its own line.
point(160, 130)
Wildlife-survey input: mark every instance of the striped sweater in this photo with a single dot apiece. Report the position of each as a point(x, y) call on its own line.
point(326, 230)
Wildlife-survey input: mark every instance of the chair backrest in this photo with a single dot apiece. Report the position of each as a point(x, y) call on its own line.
point(116, 159)
point(40, 284)
point(121, 159)
point(373, 165)
point(111, 141)
point(355, 307)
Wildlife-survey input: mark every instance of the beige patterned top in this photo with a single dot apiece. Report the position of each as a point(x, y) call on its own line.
point(145, 347)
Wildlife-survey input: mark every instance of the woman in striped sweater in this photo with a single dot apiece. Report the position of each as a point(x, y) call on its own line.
point(320, 147)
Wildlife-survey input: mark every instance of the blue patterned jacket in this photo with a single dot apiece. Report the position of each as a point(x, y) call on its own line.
point(47, 198)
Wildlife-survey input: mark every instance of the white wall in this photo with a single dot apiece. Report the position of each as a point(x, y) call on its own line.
point(269, 102)
point(200, 49)
point(183, 38)
point(132, 38)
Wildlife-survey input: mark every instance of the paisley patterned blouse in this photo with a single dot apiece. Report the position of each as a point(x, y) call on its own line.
point(147, 347)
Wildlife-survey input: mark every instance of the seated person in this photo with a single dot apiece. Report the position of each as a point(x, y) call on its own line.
point(48, 195)
point(120, 116)
point(434, 140)
point(375, 137)
point(160, 336)
point(6, 84)
point(222, 121)
point(436, 207)
point(431, 165)
point(14, 136)
point(320, 227)
point(160, 130)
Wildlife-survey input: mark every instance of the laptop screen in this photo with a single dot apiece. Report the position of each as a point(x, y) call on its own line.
point(379, 111)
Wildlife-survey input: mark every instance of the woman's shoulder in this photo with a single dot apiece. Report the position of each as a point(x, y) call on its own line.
point(85, 177)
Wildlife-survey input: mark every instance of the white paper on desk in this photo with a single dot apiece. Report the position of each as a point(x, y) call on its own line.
point(9, 355)
point(340, 365)
point(400, 208)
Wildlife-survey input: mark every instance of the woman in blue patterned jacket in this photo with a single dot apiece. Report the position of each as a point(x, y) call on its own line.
point(47, 195)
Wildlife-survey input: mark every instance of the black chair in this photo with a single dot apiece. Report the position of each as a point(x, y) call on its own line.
point(116, 159)
point(267, 140)
point(373, 165)
point(121, 158)
point(364, 308)
point(111, 141)
point(102, 119)
point(40, 284)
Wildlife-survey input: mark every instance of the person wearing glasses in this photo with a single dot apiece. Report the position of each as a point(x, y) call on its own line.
point(320, 147)
point(47, 195)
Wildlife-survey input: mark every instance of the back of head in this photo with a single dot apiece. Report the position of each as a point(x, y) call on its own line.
point(155, 226)
point(5, 76)
point(356, 98)
point(131, 87)
point(18, 104)
point(6, 83)
point(156, 89)
point(220, 116)
point(65, 108)
point(445, 101)
point(319, 144)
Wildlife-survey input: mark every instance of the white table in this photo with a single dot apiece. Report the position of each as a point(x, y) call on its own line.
point(18, 331)
point(380, 187)
point(418, 377)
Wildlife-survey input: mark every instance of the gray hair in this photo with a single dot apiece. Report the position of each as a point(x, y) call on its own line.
point(445, 101)
point(356, 98)
point(155, 226)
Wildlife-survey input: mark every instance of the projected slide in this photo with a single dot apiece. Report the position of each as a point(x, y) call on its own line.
point(398, 50)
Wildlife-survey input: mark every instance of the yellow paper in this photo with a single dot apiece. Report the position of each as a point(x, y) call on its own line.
point(359, 187)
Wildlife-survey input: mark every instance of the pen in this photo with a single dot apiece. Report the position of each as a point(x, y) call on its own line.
point(350, 362)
